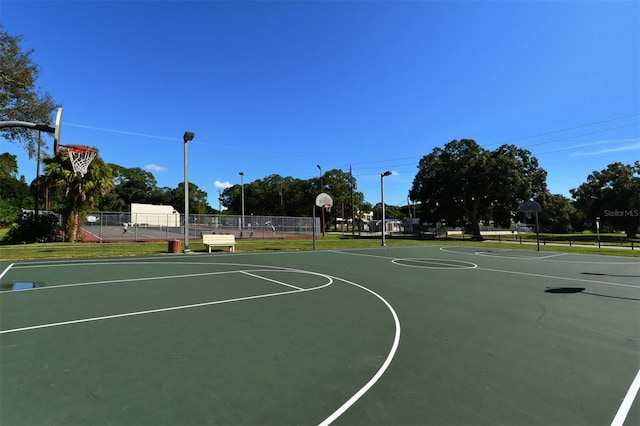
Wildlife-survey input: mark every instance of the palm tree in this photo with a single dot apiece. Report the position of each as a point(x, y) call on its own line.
point(80, 192)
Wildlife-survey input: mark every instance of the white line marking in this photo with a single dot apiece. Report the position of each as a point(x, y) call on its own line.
point(394, 347)
point(5, 270)
point(559, 278)
point(440, 263)
point(272, 280)
point(448, 249)
point(552, 255)
point(271, 268)
point(621, 415)
point(171, 308)
point(360, 254)
point(124, 280)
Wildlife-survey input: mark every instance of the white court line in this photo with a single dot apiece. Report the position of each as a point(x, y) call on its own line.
point(6, 270)
point(171, 308)
point(272, 280)
point(448, 249)
point(553, 277)
point(161, 277)
point(394, 347)
point(511, 272)
point(360, 254)
point(440, 263)
point(621, 415)
point(124, 280)
point(337, 413)
point(551, 255)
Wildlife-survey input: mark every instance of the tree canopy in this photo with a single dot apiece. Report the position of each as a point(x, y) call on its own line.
point(613, 195)
point(20, 98)
point(463, 184)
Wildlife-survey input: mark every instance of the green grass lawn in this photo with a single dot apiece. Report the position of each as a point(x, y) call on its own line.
point(330, 241)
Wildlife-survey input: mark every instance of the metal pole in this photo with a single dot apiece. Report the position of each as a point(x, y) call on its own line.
point(321, 190)
point(186, 197)
point(598, 229)
point(353, 210)
point(242, 190)
point(314, 227)
point(188, 136)
point(537, 232)
point(411, 218)
point(382, 202)
point(384, 225)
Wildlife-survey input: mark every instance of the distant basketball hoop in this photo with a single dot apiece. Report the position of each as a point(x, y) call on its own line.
point(531, 208)
point(325, 201)
point(79, 156)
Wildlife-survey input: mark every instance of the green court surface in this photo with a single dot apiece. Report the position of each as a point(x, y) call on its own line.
point(388, 336)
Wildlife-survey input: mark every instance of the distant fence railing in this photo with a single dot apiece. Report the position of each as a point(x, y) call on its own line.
point(105, 226)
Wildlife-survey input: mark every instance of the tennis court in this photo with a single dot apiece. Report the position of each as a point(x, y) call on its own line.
point(389, 336)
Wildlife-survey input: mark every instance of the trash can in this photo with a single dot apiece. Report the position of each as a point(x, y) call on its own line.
point(175, 246)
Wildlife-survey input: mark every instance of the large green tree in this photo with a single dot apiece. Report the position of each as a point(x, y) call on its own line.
point(198, 203)
point(20, 98)
point(464, 184)
point(14, 192)
point(613, 195)
point(557, 214)
point(132, 185)
point(341, 186)
point(275, 195)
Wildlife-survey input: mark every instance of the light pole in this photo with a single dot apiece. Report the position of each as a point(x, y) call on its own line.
point(188, 136)
point(242, 189)
point(321, 190)
point(387, 173)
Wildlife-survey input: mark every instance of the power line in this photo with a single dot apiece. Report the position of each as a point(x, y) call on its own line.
point(566, 130)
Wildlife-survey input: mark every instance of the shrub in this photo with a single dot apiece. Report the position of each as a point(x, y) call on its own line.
point(29, 230)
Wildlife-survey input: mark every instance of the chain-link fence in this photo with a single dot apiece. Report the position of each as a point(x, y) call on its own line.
point(105, 226)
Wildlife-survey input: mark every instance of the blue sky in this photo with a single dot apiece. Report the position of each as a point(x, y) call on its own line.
point(278, 87)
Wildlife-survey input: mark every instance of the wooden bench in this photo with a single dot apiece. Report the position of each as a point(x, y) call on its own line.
point(220, 240)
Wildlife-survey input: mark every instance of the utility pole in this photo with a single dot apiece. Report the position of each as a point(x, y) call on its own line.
point(353, 209)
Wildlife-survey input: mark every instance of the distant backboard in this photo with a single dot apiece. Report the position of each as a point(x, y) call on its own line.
point(530, 205)
point(56, 132)
point(324, 200)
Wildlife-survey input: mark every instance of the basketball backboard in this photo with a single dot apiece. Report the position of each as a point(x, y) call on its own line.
point(56, 132)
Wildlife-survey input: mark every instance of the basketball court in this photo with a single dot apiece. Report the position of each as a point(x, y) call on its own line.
point(389, 336)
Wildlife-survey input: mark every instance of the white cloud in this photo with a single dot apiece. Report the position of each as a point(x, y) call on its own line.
point(155, 168)
point(632, 147)
point(222, 185)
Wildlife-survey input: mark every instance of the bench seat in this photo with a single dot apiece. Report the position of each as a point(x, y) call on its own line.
point(220, 240)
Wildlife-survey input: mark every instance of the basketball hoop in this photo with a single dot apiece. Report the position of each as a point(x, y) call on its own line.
point(80, 157)
point(325, 201)
point(530, 207)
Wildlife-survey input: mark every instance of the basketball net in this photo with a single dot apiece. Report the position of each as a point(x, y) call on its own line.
point(327, 207)
point(80, 158)
point(528, 213)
